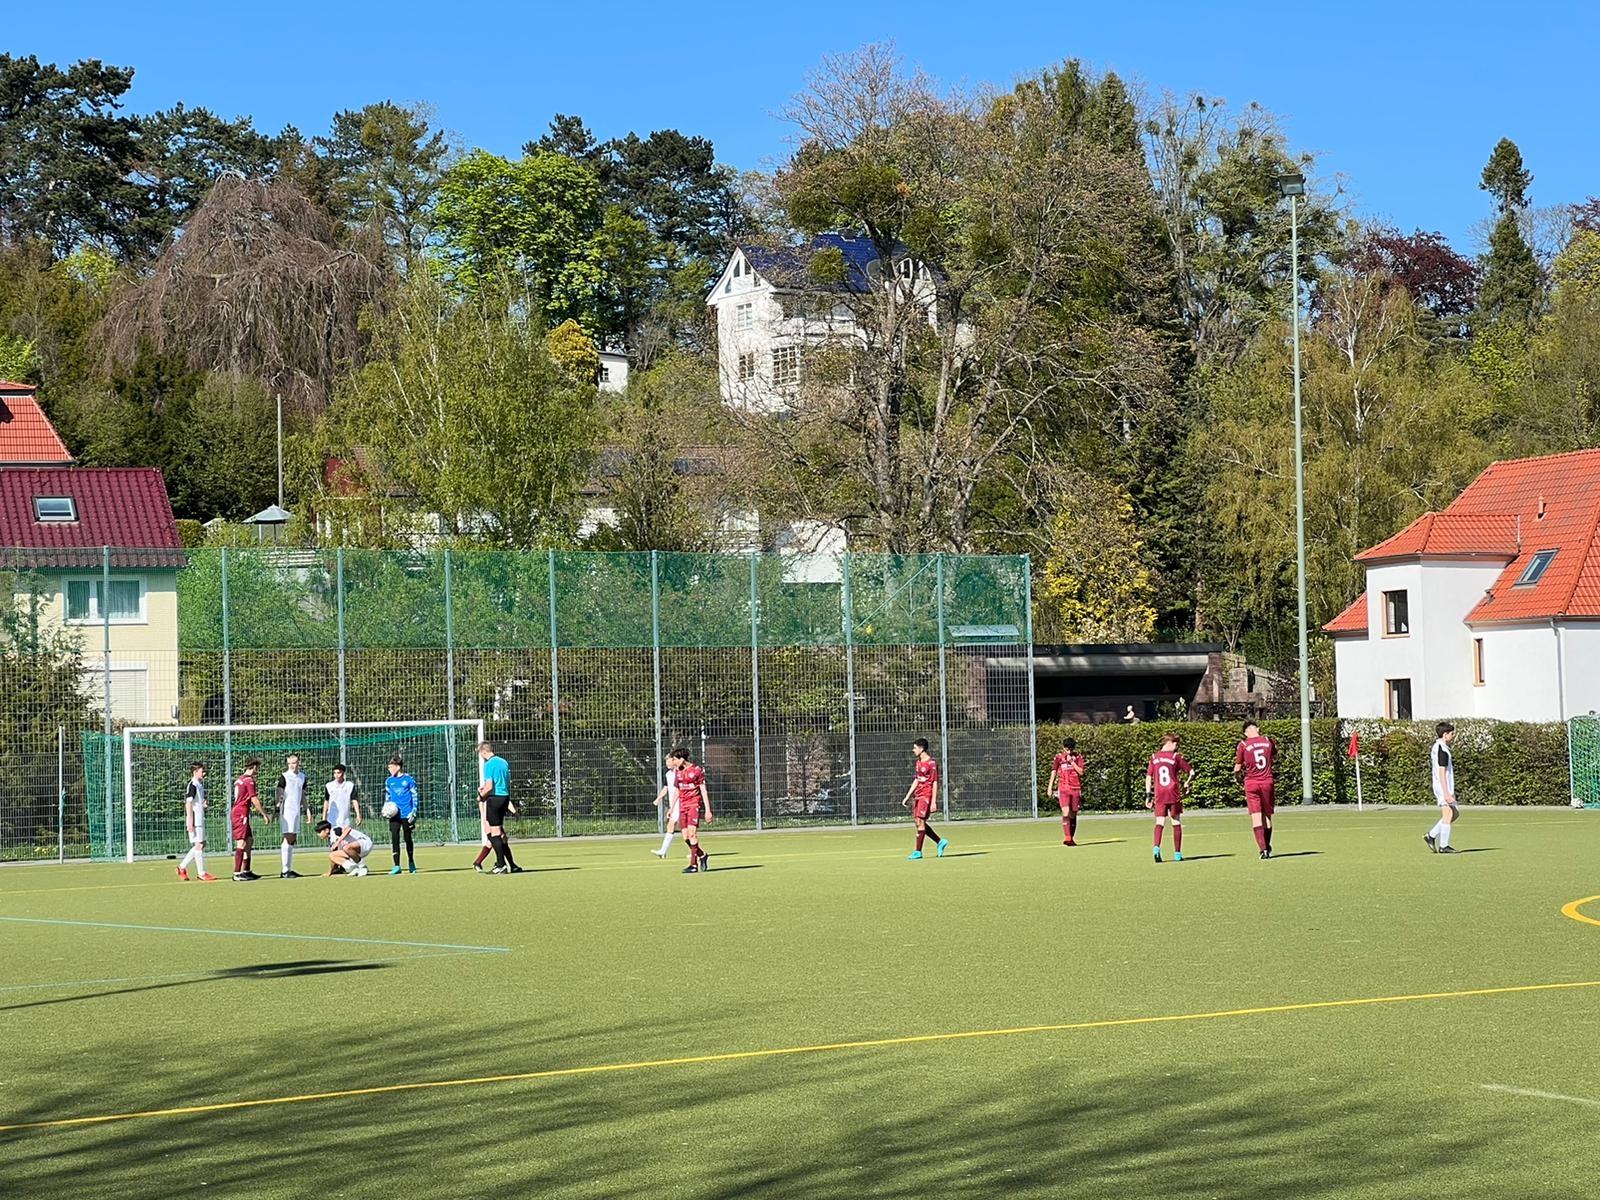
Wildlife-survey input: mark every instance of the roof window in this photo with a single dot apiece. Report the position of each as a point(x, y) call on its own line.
point(1537, 565)
point(54, 508)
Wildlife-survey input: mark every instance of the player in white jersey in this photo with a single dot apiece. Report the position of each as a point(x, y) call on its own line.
point(1443, 762)
point(342, 809)
point(669, 793)
point(291, 809)
point(194, 819)
point(348, 849)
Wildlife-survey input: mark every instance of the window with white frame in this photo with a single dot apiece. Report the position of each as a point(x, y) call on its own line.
point(743, 316)
point(747, 367)
point(605, 374)
point(1537, 566)
point(88, 604)
point(786, 366)
point(54, 508)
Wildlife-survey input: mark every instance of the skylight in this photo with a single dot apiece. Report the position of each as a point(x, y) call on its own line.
point(54, 508)
point(1537, 565)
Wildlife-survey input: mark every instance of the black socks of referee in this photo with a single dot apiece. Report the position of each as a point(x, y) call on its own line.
point(502, 851)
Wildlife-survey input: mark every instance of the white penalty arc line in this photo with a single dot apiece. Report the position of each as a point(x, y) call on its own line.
point(251, 933)
point(1534, 1094)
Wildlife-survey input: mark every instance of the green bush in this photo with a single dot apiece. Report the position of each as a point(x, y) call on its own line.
point(1497, 762)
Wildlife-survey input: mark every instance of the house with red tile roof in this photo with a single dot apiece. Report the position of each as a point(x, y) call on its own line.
point(27, 439)
point(1490, 608)
point(96, 550)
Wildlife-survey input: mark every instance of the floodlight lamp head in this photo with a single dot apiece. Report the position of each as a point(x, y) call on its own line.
point(1292, 184)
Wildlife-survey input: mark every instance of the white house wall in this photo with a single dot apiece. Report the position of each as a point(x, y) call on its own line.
point(1519, 674)
point(1580, 642)
point(1436, 656)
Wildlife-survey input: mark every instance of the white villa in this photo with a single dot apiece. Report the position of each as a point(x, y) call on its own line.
point(772, 313)
point(1490, 608)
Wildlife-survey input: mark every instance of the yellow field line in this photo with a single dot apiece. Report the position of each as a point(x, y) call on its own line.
point(788, 1051)
point(1571, 910)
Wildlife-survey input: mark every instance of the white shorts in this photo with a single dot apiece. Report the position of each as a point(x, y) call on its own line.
point(198, 837)
point(672, 817)
point(339, 820)
point(289, 818)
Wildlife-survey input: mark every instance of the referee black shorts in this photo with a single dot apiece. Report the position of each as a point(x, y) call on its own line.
point(495, 809)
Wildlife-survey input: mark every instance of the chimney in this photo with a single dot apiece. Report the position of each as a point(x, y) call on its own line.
point(1541, 508)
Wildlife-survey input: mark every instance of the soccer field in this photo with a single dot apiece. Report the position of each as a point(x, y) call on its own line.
point(819, 1017)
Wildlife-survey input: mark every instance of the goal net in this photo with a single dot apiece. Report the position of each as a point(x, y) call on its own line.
point(137, 778)
point(1583, 760)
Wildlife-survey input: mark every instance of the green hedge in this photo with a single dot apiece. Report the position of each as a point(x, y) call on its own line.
point(1496, 762)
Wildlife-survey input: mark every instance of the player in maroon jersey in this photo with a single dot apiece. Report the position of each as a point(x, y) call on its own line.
point(1255, 759)
point(924, 790)
point(1165, 781)
point(244, 800)
point(693, 797)
point(1068, 772)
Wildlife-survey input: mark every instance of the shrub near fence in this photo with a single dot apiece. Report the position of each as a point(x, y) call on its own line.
point(1497, 762)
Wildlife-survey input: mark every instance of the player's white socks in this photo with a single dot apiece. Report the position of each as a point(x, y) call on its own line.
point(666, 841)
point(286, 854)
point(1444, 835)
point(1437, 831)
point(192, 857)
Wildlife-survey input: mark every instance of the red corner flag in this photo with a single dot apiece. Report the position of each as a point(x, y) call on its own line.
point(1355, 745)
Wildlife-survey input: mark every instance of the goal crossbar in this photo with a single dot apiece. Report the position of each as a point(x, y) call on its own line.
point(130, 733)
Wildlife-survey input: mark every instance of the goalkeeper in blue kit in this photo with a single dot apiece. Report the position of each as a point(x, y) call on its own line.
point(400, 804)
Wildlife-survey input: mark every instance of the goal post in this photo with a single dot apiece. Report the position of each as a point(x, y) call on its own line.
point(1583, 760)
point(155, 765)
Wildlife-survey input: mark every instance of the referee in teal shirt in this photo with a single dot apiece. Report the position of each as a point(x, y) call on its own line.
point(494, 794)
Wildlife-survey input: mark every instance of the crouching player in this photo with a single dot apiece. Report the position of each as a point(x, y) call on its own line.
point(348, 849)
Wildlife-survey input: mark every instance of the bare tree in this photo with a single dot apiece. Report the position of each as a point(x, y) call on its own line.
point(258, 282)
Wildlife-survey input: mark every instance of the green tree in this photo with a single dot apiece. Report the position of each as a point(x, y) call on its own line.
point(180, 153)
point(461, 412)
point(386, 160)
point(1094, 585)
point(1216, 176)
point(67, 156)
point(1512, 280)
point(526, 226)
point(574, 352)
point(221, 460)
point(996, 295)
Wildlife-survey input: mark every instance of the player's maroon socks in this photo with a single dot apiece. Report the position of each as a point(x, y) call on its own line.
point(238, 862)
point(921, 833)
point(1066, 827)
point(1158, 833)
point(483, 853)
point(1177, 838)
point(1261, 836)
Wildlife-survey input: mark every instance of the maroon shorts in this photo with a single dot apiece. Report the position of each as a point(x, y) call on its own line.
point(688, 814)
point(1258, 796)
point(241, 831)
point(1169, 808)
point(921, 806)
point(1071, 802)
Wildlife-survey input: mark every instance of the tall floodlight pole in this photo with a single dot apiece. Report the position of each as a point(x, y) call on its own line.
point(1294, 186)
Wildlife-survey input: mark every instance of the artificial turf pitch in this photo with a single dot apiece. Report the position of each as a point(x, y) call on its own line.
point(602, 957)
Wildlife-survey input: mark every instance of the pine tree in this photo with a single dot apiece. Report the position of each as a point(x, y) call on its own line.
point(1512, 280)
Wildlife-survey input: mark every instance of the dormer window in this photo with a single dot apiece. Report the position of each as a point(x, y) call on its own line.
point(52, 509)
point(1537, 566)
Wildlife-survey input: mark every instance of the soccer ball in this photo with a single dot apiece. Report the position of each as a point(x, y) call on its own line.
point(391, 810)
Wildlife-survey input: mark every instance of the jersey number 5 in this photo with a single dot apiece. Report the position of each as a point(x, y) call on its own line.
point(1261, 759)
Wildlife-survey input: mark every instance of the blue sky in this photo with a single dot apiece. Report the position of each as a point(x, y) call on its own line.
point(1400, 101)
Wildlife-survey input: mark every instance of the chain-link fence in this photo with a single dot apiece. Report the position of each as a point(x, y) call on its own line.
point(1583, 760)
point(799, 681)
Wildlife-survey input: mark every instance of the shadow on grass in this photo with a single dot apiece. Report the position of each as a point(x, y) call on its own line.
point(1189, 858)
point(1297, 854)
point(897, 1122)
point(283, 970)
